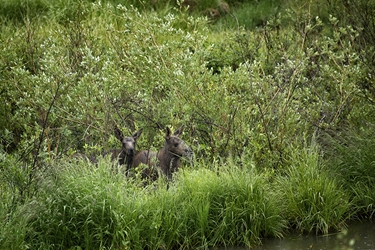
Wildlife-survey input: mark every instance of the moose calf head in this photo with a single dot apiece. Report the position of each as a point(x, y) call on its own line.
point(128, 146)
point(176, 146)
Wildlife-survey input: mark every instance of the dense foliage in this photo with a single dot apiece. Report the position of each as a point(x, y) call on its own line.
point(278, 108)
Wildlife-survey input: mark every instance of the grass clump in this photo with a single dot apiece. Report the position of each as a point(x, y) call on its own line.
point(78, 208)
point(316, 202)
point(352, 159)
point(232, 207)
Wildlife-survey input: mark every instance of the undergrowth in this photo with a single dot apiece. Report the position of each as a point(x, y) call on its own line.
point(90, 206)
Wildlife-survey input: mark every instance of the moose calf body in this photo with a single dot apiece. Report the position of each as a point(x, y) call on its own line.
point(167, 160)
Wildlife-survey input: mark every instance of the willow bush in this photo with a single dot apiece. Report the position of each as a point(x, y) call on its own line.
point(71, 83)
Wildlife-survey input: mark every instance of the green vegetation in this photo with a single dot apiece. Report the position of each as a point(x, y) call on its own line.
point(316, 202)
point(277, 99)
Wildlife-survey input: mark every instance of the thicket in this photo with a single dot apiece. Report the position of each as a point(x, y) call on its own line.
point(280, 117)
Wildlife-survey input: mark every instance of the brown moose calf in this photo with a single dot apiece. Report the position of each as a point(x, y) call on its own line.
point(167, 159)
point(126, 154)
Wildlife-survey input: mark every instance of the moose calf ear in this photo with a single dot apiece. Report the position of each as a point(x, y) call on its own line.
point(178, 132)
point(168, 133)
point(137, 134)
point(118, 133)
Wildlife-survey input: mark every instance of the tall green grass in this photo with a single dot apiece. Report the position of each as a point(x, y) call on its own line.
point(316, 201)
point(230, 207)
point(351, 157)
point(80, 205)
point(88, 207)
point(75, 207)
